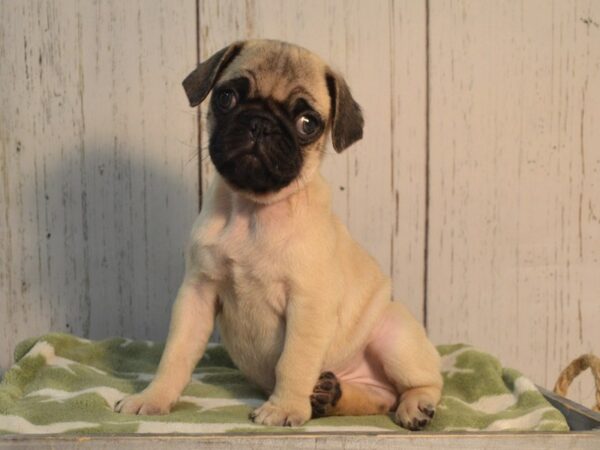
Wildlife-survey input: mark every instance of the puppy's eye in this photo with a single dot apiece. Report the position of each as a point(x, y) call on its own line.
point(226, 99)
point(307, 125)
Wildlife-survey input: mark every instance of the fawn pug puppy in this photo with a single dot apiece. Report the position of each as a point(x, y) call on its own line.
point(303, 310)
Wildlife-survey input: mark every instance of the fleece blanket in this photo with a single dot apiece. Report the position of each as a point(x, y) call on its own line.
point(64, 384)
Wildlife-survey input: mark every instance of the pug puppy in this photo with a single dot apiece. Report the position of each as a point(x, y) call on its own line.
point(304, 311)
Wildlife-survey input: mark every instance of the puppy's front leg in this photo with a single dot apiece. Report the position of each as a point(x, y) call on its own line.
point(192, 322)
point(307, 339)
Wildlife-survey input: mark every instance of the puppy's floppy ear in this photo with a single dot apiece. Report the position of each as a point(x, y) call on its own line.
point(198, 84)
point(346, 117)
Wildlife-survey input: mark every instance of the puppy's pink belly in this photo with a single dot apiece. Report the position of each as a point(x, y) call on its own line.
point(366, 369)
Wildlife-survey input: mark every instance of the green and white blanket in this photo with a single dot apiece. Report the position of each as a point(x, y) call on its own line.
point(64, 384)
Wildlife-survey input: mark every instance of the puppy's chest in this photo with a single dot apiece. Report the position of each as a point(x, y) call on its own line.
point(245, 256)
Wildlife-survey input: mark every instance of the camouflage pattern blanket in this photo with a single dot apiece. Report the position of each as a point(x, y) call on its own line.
point(64, 384)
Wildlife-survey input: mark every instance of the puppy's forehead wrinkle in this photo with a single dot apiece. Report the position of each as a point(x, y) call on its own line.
point(252, 77)
point(281, 71)
point(283, 63)
point(299, 92)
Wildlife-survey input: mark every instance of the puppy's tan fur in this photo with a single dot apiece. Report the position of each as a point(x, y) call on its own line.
point(293, 293)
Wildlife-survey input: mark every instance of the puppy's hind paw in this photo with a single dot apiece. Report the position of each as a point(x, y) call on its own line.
point(415, 411)
point(326, 394)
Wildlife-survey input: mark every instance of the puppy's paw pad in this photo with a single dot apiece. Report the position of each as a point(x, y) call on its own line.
point(326, 394)
point(274, 415)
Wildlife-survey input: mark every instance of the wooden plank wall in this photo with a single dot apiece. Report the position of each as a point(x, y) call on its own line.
point(514, 176)
point(97, 161)
point(476, 186)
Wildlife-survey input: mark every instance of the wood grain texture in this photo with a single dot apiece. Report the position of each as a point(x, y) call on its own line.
point(589, 440)
point(514, 243)
point(378, 184)
point(408, 100)
point(99, 179)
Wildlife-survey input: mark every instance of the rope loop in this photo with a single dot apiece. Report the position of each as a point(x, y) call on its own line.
point(577, 366)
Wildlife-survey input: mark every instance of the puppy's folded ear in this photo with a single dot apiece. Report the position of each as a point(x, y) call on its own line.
point(346, 116)
point(198, 84)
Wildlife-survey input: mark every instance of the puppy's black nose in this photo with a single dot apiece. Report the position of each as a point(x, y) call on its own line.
point(261, 126)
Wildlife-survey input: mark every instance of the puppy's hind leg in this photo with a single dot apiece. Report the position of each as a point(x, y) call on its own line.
point(411, 363)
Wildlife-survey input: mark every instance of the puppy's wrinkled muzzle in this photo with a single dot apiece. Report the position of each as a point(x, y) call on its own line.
point(254, 152)
point(260, 127)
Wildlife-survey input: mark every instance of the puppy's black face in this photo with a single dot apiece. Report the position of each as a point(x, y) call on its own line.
point(259, 144)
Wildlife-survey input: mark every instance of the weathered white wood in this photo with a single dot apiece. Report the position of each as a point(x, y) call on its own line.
point(99, 179)
point(318, 441)
point(514, 242)
point(408, 129)
point(378, 184)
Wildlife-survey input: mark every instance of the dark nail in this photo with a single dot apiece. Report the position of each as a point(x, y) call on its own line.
point(429, 410)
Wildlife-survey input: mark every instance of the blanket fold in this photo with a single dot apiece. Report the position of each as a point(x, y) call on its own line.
point(64, 384)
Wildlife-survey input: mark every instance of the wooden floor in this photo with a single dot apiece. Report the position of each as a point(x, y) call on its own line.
point(580, 440)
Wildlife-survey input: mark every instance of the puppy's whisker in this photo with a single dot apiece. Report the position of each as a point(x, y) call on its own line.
point(188, 163)
point(186, 144)
point(198, 156)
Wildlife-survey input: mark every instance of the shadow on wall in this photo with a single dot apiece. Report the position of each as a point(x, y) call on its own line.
point(97, 238)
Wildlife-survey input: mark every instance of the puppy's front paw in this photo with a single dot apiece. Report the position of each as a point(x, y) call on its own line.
point(272, 414)
point(145, 403)
point(416, 409)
